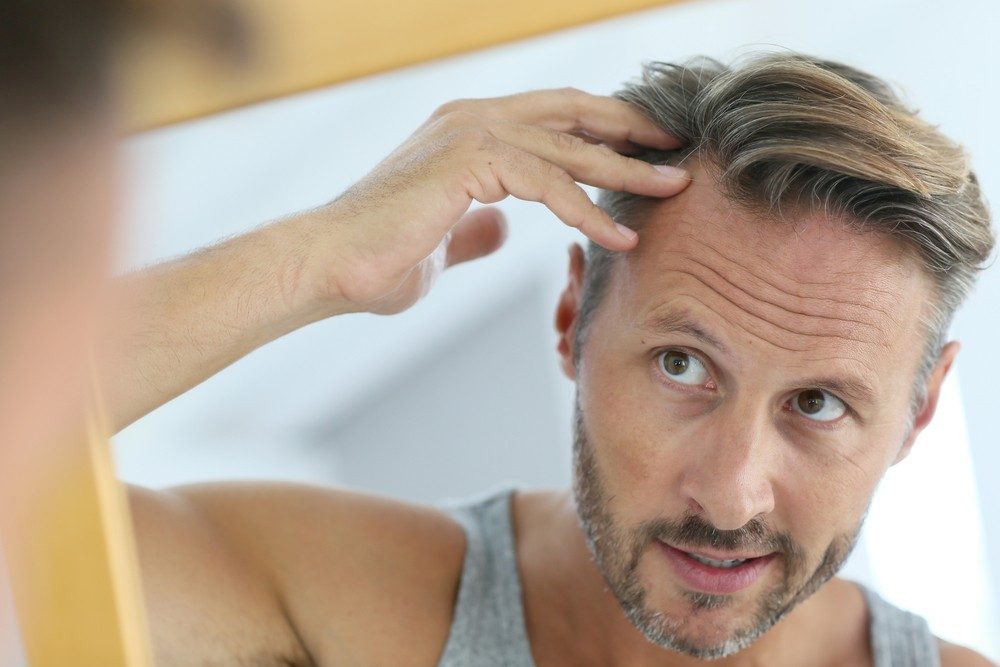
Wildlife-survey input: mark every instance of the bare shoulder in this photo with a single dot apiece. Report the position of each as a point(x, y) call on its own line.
point(360, 579)
point(953, 655)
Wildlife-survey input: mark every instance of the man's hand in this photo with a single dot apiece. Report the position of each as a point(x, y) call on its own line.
point(380, 246)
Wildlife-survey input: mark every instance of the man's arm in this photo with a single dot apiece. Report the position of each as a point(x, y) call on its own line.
point(380, 246)
point(953, 655)
point(283, 575)
point(184, 320)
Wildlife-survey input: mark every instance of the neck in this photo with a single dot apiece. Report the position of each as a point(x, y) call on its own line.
point(573, 618)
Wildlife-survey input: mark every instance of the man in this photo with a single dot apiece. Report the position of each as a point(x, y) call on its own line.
point(754, 341)
point(746, 371)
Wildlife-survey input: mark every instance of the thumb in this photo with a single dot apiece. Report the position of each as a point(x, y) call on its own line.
point(477, 234)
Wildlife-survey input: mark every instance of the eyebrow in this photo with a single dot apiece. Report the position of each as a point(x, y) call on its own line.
point(676, 322)
point(843, 387)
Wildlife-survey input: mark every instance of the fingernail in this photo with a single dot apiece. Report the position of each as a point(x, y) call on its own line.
point(672, 172)
point(626, 232)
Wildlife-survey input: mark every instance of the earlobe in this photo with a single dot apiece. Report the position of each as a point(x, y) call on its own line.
point(929, 405)
point(567, 311)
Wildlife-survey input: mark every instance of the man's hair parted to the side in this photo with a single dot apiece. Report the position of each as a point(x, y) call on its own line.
point(786, 133)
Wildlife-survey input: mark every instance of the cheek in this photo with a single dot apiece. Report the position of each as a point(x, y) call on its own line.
point(633, 437)
point(818, 499)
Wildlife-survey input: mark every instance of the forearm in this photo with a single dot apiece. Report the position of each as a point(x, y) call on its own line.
point(180, 322)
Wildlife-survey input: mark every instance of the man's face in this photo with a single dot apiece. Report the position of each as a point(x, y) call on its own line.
point(743, 386)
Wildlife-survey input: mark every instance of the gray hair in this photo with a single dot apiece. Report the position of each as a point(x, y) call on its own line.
point(787, 133)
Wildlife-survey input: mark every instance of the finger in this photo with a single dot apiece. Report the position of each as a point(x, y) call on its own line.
point(571, 110)
point(622, 147)
point(593, 164)
point(531, 178)
point(476, 235)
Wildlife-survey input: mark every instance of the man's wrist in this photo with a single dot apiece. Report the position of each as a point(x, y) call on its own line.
point(304, 274)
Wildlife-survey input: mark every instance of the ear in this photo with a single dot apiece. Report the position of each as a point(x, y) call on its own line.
point(926, 410)
point(568, 309)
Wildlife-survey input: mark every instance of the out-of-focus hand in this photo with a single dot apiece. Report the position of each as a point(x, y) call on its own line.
point(380, 246)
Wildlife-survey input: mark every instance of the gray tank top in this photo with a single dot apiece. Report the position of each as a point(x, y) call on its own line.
point(488, 628)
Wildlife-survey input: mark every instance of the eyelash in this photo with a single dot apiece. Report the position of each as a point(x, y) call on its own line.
point(786, 406)
point(826, 426)
point(677, 385)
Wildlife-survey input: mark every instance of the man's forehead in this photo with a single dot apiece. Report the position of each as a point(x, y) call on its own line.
point(804, 283)
point(809, 248)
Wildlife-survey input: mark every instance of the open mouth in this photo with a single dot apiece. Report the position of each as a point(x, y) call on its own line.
point(715, 573)
point(724, 564)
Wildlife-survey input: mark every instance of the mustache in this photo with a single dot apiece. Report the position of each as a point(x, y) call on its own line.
point(693, 531)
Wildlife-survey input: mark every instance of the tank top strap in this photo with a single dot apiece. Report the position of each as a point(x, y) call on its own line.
point(488, 626)
point(899, 638)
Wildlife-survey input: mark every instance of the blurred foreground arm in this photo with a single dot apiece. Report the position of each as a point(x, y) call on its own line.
point(379, 246)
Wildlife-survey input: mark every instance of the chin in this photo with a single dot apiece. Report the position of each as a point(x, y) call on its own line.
point(698, 624)
point(710, 634)
point(702, 637)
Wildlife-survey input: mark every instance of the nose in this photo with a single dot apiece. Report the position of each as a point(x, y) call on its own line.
point(727, 479)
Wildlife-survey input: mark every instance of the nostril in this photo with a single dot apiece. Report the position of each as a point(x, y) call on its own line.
point(695, 506)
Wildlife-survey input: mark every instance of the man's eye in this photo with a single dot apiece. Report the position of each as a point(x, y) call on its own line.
point(682, 367)
point(818, 405)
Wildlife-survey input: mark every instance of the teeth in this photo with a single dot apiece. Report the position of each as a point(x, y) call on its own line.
point(725, 564)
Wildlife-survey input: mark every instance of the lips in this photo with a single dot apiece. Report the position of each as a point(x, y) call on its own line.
point(716, 573)
point(723, 564)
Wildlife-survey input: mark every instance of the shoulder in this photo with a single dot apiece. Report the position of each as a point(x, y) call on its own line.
point(850, 601)
point(363, 578)
point(953, 655)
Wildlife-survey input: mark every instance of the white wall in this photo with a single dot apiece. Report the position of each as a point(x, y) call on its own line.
point(463, 392)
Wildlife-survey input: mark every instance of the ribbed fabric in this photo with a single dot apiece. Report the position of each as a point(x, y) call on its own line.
point(899, 638)
point(488, 627)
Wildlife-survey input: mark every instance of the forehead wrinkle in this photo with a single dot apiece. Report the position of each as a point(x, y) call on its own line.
point(836, 358)
point(740, 326)
point(803, 313)
point(889, 295)
point(824, 334)
point(789, 289)
point(688, 221)
point(702, 218)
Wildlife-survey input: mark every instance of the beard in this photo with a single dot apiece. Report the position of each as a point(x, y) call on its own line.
point(617, 552)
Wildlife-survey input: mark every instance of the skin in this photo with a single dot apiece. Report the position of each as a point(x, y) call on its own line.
point(784, 304)
point(278, 574)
